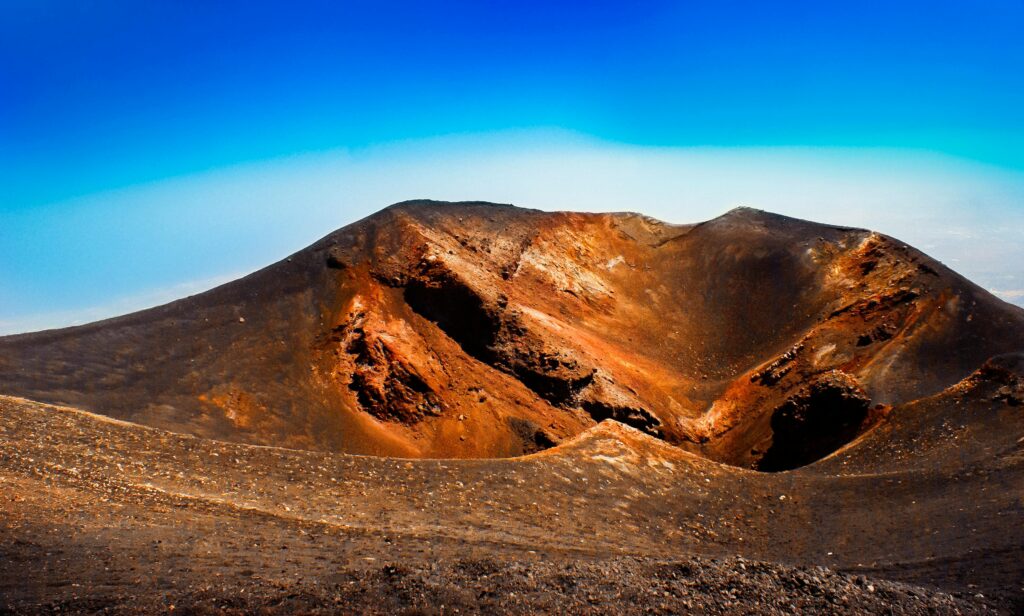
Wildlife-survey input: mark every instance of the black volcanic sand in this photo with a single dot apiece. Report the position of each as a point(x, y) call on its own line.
point(101, 515)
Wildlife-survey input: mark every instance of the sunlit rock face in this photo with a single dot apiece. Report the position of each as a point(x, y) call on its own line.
point(479, 330)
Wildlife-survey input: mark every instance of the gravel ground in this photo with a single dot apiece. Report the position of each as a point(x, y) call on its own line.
point(617, 586)
point(107, 517)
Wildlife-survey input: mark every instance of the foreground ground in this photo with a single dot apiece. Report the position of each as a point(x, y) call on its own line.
point(100, 514)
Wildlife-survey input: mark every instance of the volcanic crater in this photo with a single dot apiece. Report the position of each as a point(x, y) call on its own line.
point(476, 330)
point(774, 358)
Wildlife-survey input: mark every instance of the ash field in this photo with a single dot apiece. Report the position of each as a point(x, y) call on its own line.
point(472, 407)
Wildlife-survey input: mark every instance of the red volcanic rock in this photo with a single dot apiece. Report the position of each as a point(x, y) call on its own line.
point(478, 330)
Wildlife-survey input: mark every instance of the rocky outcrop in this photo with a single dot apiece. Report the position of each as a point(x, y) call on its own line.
point(752, 339)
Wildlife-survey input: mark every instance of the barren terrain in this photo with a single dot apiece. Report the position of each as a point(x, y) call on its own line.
point(476, 407)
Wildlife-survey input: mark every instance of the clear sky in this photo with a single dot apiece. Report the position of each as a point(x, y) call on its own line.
point(152, 149)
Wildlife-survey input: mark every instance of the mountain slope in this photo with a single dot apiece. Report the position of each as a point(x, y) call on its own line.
point(480, 330)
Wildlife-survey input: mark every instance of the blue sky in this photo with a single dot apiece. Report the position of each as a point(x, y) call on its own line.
point(132, 133)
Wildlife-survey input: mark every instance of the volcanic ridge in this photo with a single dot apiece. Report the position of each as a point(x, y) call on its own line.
point(747, 414)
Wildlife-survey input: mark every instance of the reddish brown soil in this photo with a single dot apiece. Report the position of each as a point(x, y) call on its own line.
point(882, 390)
point(477, 330)
point(103, 515)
